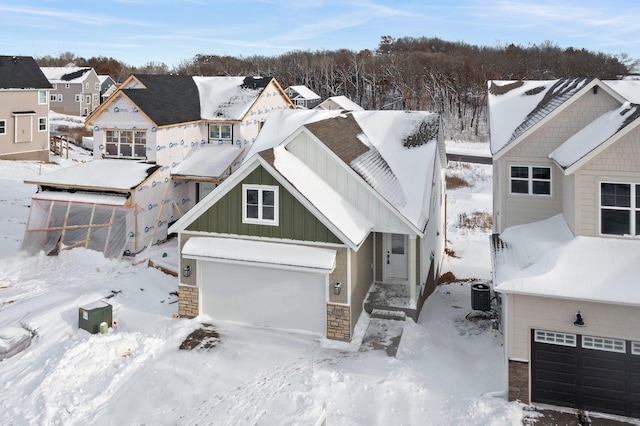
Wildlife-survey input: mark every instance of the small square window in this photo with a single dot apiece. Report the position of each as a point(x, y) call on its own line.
point(260, 204)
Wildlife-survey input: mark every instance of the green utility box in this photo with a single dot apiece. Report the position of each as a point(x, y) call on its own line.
point(91, 316)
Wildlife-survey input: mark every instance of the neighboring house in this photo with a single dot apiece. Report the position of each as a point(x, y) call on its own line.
point(161, 143)
point(566, 251)
point(302, 97)
point(107, 86)
point(24, 110)
point(339, 102)
point(76, 90)
point(325, 204)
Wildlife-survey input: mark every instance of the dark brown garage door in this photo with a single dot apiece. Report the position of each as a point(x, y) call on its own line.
point(585, 372)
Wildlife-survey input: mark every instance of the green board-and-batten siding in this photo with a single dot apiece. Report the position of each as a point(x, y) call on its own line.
point(296, 222)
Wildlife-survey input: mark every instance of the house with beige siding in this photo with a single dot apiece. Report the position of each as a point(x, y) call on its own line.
point(161, 143)
point(24, 110)
point(76, 90)
point(566, 247)
point(325, 205)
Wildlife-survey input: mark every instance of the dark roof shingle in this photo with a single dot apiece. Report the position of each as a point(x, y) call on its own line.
point(21, 72)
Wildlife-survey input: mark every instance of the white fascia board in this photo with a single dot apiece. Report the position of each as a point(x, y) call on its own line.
point(353, 173)
point(560, 297)
point(595, 82)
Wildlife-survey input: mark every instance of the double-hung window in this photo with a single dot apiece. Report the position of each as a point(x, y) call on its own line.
point(97, 86)
point(619, 209)
point(3, 127)
point(42, 124)
point(42, 97)
point(260, 204)
point(531, 180)
point(78, 97)
point(126, 143)
point(220, 132)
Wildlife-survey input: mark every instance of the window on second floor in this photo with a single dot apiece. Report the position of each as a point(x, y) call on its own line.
point(78, 97)
point(220, 132)
point(619, 209)
point(126, 143)
point(531, 180)
point(260, 204)
point(67, 85)
point(3, 127)
point(59, 97)
point(97, 86)
point(42, 97)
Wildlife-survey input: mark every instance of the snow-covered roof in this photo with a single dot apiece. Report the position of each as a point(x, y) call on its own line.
point(262, 253)
point(594, 134)
point(353, 224)
point(628, 88)
point(551, 262)
point(281, 124)
point(517, 106)
point(342, 102)
point(393, 151)
point(209, 161)
point(114, 175)
point(69, 74)
point(304, 92)
point(227, 98)
point(82, 197)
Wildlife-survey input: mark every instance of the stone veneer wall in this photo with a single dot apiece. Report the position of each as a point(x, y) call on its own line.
point(519, 381)
point(338, 322)
point(188, 301)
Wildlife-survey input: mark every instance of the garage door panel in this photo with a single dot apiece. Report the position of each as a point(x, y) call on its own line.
point(264, 296)
point(605, 380)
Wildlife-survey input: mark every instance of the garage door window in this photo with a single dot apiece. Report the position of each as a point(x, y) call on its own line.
point(635, 348)
point(260, 204)
point(602, 344)
point(563, 339)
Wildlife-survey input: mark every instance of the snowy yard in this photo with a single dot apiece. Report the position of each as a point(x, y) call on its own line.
point(447, 371)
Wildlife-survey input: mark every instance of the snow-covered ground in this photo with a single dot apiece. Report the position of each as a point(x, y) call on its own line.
point(447, 370)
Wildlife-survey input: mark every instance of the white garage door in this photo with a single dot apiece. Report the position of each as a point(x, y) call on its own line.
point(263, 296)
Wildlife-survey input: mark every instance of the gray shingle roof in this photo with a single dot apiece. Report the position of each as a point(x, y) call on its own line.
point(167, 99)
point(21, 72)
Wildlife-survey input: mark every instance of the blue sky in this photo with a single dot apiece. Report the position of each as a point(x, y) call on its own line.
point(140, 31)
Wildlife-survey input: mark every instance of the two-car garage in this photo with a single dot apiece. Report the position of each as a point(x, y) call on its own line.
point(585, 372)
point(262, 283)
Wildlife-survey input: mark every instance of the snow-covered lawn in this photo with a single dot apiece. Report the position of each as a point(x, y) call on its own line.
point(446, 372)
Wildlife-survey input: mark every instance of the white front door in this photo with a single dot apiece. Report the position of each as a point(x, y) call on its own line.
point(397, 257)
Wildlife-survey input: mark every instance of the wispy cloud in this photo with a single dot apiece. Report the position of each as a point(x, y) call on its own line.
point(70, 16)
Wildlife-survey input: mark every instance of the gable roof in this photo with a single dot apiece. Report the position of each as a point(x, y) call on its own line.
point(581, 146)
point(516, 108)
point(342, 102)
point(176, 99)
point(69, 74)
point(393, 152)
point(303, 92)
point(21, 72)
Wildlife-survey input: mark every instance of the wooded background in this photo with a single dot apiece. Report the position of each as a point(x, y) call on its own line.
point(400, 74)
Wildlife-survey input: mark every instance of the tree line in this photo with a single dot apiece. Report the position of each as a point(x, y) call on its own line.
point(405, 73)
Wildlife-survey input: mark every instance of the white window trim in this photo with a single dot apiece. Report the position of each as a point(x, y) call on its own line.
point(45, 97)
point(530, 180)
point(229, 139)
point(3, 129)
point(134, 133)
point(67, 85)
point(45, 124)
point(276, 208)
point(555, 338)
point(633, 209)
point(97, 86)
point(59, 97)
point(635, 348)
point(604, 344)
point(78, 97)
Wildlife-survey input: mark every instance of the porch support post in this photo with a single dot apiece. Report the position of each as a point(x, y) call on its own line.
point(412, 269)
